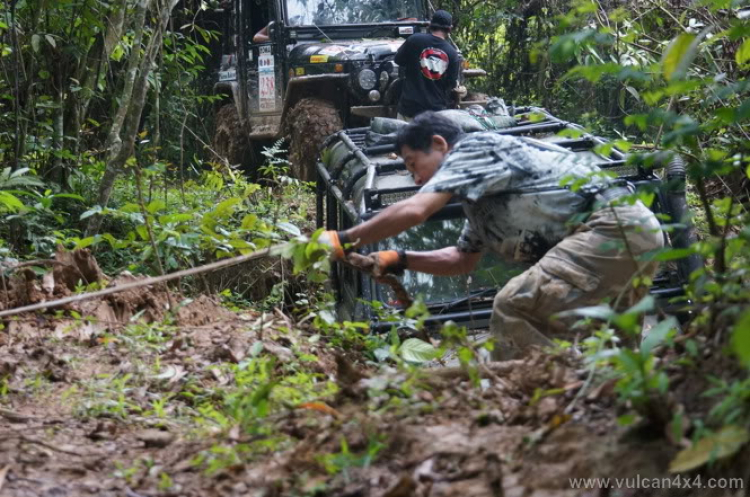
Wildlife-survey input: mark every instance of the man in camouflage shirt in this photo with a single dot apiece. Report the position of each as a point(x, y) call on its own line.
point(515, 207)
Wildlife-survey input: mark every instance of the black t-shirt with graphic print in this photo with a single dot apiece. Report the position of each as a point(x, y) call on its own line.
point(431, 65)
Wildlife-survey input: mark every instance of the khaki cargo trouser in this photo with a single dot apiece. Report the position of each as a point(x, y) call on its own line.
point(402, 117)
point(592, 264)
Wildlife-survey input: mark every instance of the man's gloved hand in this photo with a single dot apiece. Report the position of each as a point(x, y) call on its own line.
point(335, 240)
point(388, 262)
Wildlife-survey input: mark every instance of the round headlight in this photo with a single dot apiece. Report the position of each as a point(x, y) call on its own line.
point(367, 79)
point(374, 95)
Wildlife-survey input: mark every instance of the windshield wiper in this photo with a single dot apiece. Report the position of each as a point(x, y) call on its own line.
point(473, 295)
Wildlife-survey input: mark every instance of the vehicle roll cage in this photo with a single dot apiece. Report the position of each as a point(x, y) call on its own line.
point(354, 140)
point(335, 197)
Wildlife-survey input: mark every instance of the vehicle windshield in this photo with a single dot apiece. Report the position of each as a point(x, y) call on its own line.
point(328, 12)
point(432, 235)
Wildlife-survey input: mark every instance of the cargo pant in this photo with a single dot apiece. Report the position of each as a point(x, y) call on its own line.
point(592, 264)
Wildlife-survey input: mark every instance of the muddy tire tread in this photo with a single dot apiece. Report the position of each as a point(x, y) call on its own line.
point(312, 120)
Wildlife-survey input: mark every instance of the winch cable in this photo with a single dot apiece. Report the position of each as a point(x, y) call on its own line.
point(213, 266)
point(354, 260)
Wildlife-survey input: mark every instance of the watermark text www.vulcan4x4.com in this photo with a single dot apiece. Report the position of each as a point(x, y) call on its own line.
point(639, 482)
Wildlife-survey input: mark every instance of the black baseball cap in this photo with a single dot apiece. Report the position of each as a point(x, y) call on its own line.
point(441, 19)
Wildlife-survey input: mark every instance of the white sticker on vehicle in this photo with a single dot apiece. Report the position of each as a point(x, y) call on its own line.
point(266, 83)
point(332, 50)
point(229, 75)
point(265, 63)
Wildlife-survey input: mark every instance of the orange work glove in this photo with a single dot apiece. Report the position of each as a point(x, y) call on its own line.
point(388, 262)
point(335, 240)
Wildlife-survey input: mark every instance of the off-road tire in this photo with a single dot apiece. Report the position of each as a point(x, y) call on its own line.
point(230, 140)
point(311, 121)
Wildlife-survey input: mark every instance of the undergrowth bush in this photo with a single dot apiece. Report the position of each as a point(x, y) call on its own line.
point(215, 214)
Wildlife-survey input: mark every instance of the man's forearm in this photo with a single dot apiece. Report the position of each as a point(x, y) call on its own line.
point(392, 221)
point(397, 218)
point(444, 262)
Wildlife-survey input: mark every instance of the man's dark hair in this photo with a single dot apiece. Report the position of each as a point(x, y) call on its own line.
point(418, 134)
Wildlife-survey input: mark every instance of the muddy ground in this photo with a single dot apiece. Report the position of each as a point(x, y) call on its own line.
point(117, 397)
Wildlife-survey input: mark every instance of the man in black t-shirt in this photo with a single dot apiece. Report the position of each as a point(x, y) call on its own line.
point(431, 65)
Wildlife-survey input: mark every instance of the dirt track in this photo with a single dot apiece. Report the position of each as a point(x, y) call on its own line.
point(109, 399)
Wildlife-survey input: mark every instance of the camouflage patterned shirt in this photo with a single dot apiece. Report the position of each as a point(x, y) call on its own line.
point(510, 188)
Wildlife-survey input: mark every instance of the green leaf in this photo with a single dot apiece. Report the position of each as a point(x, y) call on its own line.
point(51, 40)
point(35, 39)
point(175, 218)
point(630, 362)
point(633, 92)
point(571, 133)
point(382, 354)
point(85, 242)
point(249, 222)
point(657, 334)
point(646, 304)
point(289, 228)
point(69, 195)
point(256, 349)
point(142, 232)
point(741, 339)
point(130, 207)
point(327, 317)
point(593, 73)
point(18, 179)
point(241, 244)
point(627, 322)
point(673, 254)
point(118, 52)
point(743, 53)
point(640, 120)
point(678, 56)
point(565, 47)
point(418, 351)
point(226, 208)
point(724, 443)
point(93, 211)
point(156, 206)
point(10, 202)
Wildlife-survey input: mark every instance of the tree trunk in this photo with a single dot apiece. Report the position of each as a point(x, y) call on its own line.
point(116, 24)
point(89, 71)
point(55, 171)
point(124, 130)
